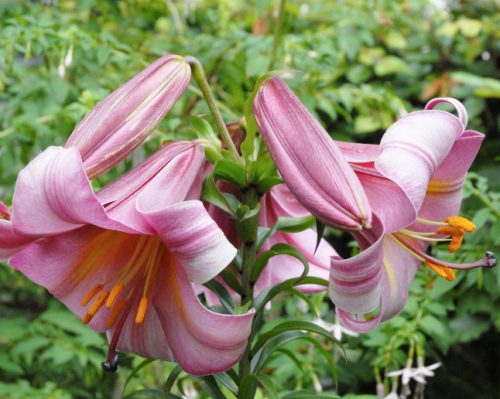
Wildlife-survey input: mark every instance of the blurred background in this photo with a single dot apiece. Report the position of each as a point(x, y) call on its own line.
point(359, 66)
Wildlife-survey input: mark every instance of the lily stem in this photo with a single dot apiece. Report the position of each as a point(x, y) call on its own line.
point(201, 79)
point(277, 33)
point(249, 255)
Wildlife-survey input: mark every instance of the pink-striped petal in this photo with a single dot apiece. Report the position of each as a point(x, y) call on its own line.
point(445, 190)
point(193, 237)
point(53, 195)
point(201, 341)
point(356, 283)
point(312, 166)
point(414, 147)
point(124, 119)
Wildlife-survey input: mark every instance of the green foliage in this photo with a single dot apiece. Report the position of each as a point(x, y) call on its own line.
point(357, 65)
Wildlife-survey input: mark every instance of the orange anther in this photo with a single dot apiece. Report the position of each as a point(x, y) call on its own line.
point(461, 223)
point(455, 243)
point(115, 312)
point(141, 310)
point(93, 292)
point(114, 294)
point(98, 302)
point(442, 271)
point(86, 319)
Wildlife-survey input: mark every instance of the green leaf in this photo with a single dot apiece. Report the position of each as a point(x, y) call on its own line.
point(391, 64)
point(248, 386)
point(204, 130)
point(231, 171)
point(278, 249)
point(136, 370)
point(286, 224)
point(222, 294)
point(268, 294)
point(170, 381)
point(212, 194)
point(296, 325)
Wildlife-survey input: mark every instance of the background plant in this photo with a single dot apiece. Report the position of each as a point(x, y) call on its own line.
point(359, 65)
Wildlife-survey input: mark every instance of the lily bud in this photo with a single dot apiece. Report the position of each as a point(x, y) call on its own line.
point(309, 161)
point(123, 120)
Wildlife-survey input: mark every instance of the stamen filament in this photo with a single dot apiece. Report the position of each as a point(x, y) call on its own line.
point(115, 312)
point(431, 222)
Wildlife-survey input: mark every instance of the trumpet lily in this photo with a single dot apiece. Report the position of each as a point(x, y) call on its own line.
point(414, 183)
point(123, 259)
point(309, 161)
point(124, 119)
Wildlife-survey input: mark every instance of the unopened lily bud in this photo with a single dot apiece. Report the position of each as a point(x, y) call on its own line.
point(309, 161)
point(123, 120)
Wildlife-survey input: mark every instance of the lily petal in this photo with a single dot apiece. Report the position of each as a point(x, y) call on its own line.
point(193, 237)
point(202, 342)
point(312, 166)
point(10, 242)
point(413, 148)
point(355, 283)
point(53, 195)
point(445, 190)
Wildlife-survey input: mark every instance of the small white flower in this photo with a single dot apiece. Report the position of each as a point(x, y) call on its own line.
point(61, 70)
point(422, 372)
point(392, 395)
point(336, 329)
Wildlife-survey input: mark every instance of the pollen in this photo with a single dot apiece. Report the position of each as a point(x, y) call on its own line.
point(114, 294)
point(98, 302)
point(456, 234)
point(461, 223)
point(442, 271)
point(141, 310)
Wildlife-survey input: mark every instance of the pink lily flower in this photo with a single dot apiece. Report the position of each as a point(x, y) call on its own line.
point(311, 164)
point(123, 259)
point(280, 202)
point(124, 119)
point(414, 182)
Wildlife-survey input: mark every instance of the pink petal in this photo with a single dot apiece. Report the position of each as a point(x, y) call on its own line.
point(202, 342)
point(123, 120)
point(10, 242)
point(57, 263)
point(414, 147)
point(312, 166)
point(193, 237)
point(459, 107)
point(445, 190)
point(53, 195)
point(356, 283)
point(358, 152)
point(171, 175)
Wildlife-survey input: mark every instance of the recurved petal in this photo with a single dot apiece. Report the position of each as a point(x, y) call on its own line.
point(53, 195)
point(312, 166)
point(413, 148)
point(10, 242)
point(201, 341)
point(358, 152)
point(445, 190)
point(193, 237)
point(124, 119)
point(355, 283)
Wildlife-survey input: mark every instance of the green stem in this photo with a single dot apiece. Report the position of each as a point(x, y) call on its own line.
point(201, 79)
point(486, 201)
point(277, 33)
point(249, 255)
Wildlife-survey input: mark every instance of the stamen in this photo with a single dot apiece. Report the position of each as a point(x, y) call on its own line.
point(461, 223)
point(96, 305)
point(114, 294)
point(457, 236)
point(442, 271)
point(93, 292)
point(141, 310)
point(431, 222)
